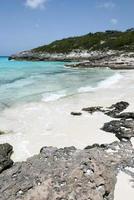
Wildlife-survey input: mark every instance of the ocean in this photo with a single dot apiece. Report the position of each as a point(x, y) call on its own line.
point(22, 82)
point(36, 99)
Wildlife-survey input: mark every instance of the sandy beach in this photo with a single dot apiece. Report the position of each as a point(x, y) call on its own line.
point(124, 188)
point(67, 100)
point(50, 123)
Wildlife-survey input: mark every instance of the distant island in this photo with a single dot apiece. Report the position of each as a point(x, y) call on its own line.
point(113, 49)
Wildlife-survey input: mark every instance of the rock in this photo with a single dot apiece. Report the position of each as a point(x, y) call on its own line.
point(116, 108)
point(5, 153)
point(113, 59)
point(107, 60)
point(96, 145)
point(76, 113)
point(70, 173)
point(111, 111)
point(125, 115)
point(91, 110)
point(67, 173)
point(2, 132)
point(123, 129)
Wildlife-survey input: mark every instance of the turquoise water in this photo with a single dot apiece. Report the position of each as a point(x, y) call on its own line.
point(44, 81)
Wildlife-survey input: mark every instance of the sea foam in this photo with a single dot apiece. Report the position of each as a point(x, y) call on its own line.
point(108, 82)
point(103, 84)
point(53, 96)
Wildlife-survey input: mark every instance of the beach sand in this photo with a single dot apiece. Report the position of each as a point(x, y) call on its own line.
point(34, 125)
point(124, 188)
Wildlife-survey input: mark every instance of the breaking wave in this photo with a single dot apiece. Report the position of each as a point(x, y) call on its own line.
point(103, 84)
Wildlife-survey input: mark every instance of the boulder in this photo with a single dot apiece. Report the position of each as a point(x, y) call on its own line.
point(123, 129)
point(5, 153)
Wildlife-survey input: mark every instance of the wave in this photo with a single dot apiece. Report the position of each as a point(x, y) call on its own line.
point(103, 84)
point(21, 84)
point(54, 96)
point(4, 82)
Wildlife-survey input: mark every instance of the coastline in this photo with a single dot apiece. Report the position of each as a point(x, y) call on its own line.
point(61, 129)
point(66, 100)
point(113, 59)
point(54, 126)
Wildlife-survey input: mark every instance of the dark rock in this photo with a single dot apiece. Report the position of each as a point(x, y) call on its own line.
point(93, 109)
point(116, 108)
point(5, 153)
point(96, 146)
point(70, 173)
point(126, 115)
point(2, 132)
point(67, 173)
point(76, 113)
point(123, 129)
point(111, 111)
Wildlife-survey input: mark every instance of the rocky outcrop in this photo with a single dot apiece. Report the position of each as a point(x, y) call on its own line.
point(91, 110)
point(114, 49)
point(69, 173)
point(45, 56)
point(5, 153)
point(112, 111)
point(123, 128)
point(85, 59)
point(118, 60)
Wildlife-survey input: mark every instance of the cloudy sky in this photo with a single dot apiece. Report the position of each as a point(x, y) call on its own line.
point(25, 24)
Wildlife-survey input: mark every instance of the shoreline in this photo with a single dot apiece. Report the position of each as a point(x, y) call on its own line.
point(53, 124)
point(100, 167)
point(110, 156)
point(113, 59)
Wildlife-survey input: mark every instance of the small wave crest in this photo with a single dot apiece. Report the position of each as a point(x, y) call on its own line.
point(3, 82)
point(53, 96)
point(103, 84)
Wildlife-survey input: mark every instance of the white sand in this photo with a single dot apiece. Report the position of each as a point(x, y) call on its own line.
point(35, 125)
point(124, 188)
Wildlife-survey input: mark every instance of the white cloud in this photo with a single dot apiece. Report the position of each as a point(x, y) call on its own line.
point(114, 21)
point(107, 5)
point(33, 4)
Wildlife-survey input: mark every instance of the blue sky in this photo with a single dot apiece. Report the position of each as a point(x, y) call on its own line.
point(25, 24)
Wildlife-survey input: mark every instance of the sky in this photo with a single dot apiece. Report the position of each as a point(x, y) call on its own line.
point(25, 24)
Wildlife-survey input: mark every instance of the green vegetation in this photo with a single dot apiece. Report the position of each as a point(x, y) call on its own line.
point(115, 40)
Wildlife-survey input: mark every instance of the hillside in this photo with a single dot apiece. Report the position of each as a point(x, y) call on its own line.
point(114, 40)
point(114, 49)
